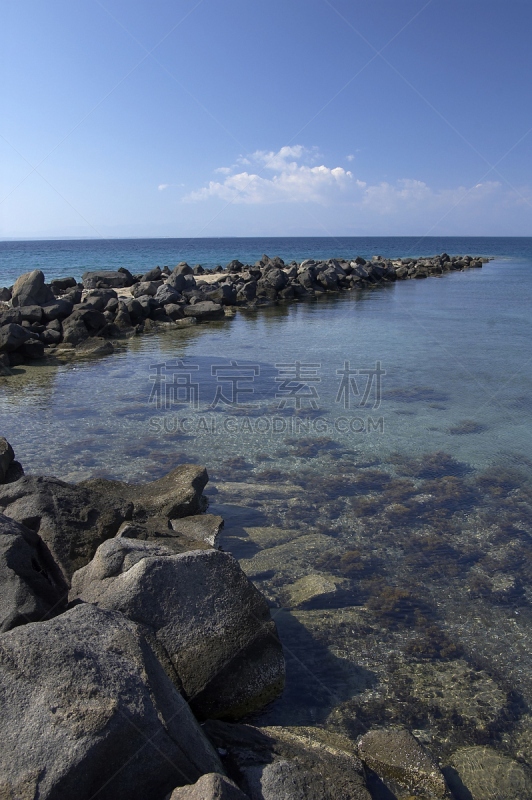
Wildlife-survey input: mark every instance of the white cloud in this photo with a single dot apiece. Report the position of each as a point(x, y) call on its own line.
point(292, 182)
point(163, 186)
point(223, 170)
point(350, 158)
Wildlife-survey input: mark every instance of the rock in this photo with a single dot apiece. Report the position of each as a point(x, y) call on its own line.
point(204, 310)
point(106, 279)
point(177, 494)
point(14, 472)
point(11, 316)
point(396, 755)
point(152, 275)
point(99, 298)
point(198, 270)
point(74, 331)
point(202, 528)
point(31, 290)
point(50, 337)
point(289, 763)
point(224, 294)
point(93, 319)
point(181, 282)
point(210, 787)
point(30, 313)
point(61, 285)
point(174, 311)
point(12, 337)
point(94, 346)
point(91, 713)
point(72, 520)
point(480, 773)
point(6, 457)
point(213, 623)
point(182, 269)
point(5, 294)
point(123, 319)
point(33, 588)
point(32, 349)
point(167, 294)
point(309, 589)
point(157, 531)
point(145, 288)
point(58, 309)
point(235, 266)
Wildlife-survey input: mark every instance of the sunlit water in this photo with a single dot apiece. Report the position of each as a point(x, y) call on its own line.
point(389, 528)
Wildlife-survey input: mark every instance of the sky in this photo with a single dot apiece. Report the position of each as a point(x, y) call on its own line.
point(123, 118)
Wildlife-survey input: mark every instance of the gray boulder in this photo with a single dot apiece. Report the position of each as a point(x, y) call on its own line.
point(290, 763)
point(58, 309)
point(10, 316)
point(31, 290)
point(202, 527)
point(210, 787)
point(61, 285)
point(152, 275)
point(212, 622)
point(173, 536)
point(72, 520)
point(33, 588)
point(146, 288)
point(181, 282)
point(182, 269)
point(74, 331)
point(177, 494)
point(167, 294)
point(30, 313)
point(5, 294)
point(91, 713)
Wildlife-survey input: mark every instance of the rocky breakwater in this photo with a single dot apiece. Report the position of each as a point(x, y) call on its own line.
point(66, 318)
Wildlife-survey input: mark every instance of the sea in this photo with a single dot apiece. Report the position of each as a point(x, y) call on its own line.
point(370, 453)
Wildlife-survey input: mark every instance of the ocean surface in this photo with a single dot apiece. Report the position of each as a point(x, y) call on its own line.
point(370, 453)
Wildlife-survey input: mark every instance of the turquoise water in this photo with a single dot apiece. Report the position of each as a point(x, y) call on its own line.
point(392, 537)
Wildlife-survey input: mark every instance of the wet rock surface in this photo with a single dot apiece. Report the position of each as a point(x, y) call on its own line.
point(210, 787)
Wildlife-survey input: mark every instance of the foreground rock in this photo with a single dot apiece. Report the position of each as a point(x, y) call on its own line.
point(91, 713)
point(213, 623)
point(397, 756)
point(210, 787)
point(70, 519)
point(289, 763)
point(32, 587)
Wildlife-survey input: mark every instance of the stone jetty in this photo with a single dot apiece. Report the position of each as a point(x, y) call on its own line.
point(69, 319)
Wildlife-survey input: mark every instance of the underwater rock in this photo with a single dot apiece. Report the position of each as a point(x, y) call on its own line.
point(398, 756)
point(311, 589)
point(485, 774)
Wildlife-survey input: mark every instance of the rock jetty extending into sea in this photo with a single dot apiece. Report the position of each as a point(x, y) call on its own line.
point(65, 318)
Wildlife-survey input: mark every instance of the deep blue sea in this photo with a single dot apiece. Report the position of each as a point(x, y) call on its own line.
point(398, 475)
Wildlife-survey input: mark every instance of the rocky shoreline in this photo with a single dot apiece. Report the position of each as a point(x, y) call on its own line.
point(66, 319)
point(133, 650)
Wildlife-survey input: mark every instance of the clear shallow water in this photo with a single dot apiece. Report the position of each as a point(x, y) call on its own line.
point(396, 553)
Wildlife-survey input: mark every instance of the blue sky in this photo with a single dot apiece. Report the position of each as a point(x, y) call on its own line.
point(265, 117)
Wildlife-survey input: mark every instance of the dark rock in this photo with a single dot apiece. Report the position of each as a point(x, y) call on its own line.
point(148, 304)
point(12, 337)
point(30, 313)
point(266, 290)
point(166, 294)
point(204, 310)
point(14, 472)
point(72, 520)
point(123, 319)
point(74, 331)
point(127, 276)
point(5, 294)
point(91, 713)
point(275, 278)
point(135, 309)
point(61, 285)
point(32, 349)
point(198, 270)
point(33, 587)
point(95, 346)
point(6, 457)
point(210, 787)
point(73, 296)
point(144, 288)
point(90, 316)
point(182, 269)
point(210, 619)
point(99, 298)
point(177, 494)
point(174, 311)
point(224, 294)
point(49, 336)
point(58, 309)
point(107, 279)
point(247, 291)
point(156, 530)
point(31, 290)
point(289, 763)
point(10, 316)
point(235, 266)
point(153, 275)
point(396, 755)
point(181, 282)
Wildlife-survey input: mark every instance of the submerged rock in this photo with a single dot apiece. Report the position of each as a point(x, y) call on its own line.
point(213, 623)
point(480, 773)
point(289, 763)
point(91, 713)
point(398, 756)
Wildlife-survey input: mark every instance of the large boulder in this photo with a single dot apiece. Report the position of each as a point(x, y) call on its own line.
point(6, 457)
point(106, 279)
point(88, 711)
point(289, 763)
point(205, 309)
point(33, 588)
point(177, 494)
point(210, 619)
point(71, 519)
point(31, 290)
point(12, 337)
